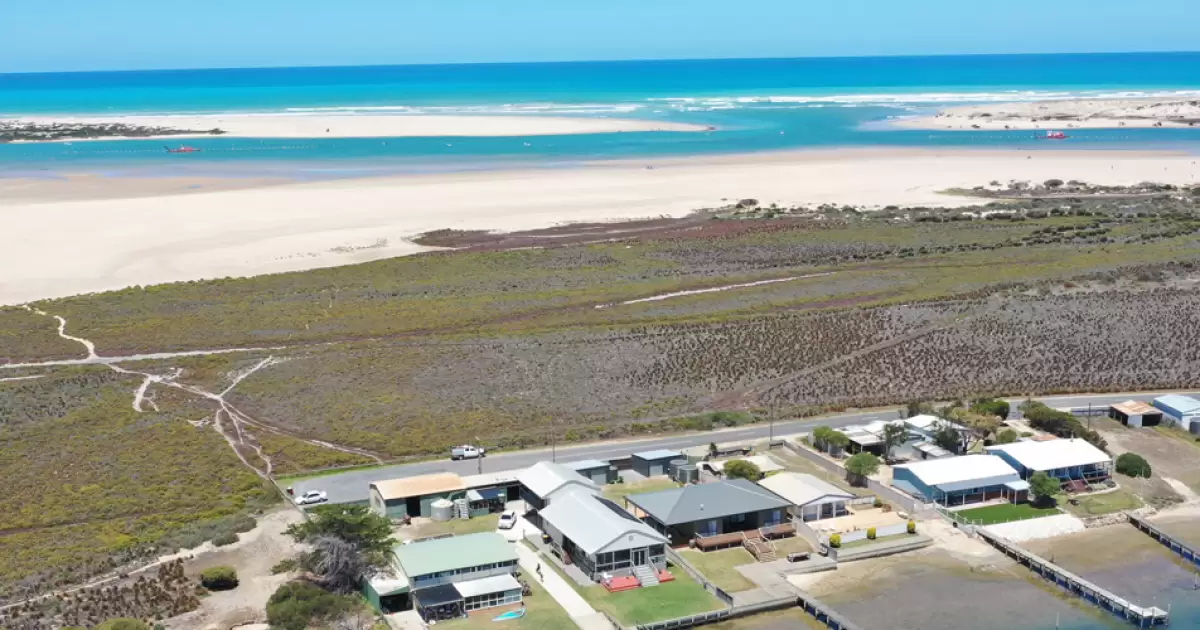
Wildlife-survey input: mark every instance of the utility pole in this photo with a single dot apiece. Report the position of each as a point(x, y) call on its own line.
point(553, 440)
point(770, 425)
point(480, 458)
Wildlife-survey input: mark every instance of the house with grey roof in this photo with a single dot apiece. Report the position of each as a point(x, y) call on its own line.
point(542, 481)
point(653, 463)
point(600, 537)
point(709, 509)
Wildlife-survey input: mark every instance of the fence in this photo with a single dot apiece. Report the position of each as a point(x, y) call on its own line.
point(680, 562)
point(1185, 551)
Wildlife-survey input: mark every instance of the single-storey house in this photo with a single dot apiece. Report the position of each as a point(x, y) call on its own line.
point(1065, 459)
point(654, 463)
point(599, 537)
point(961, 480)
point(763, 462)
point(599, 471)
point(413, 496)
point(446, 578)
point(1183, 411)
point(1135, 413)
point(709, 509)
point(543, 480)
point(812, 499)
point(863, 440)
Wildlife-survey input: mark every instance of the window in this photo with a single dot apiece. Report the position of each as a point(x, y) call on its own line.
point(738, 518)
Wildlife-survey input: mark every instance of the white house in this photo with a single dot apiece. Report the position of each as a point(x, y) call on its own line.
point(813, 498)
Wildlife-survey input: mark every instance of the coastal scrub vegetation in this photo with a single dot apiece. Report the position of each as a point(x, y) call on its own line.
point(1133, 465)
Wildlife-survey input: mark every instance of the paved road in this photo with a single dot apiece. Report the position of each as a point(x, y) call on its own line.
point(352, 485)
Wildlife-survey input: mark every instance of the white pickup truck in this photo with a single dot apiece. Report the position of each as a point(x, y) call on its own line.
point(466, 451)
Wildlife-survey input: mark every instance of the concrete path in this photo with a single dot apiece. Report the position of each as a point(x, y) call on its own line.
point(1035, 528)
point(563, 593)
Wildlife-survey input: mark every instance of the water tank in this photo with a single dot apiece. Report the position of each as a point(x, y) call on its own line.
point(673, 468)
point(441, 510)
point(688, 473)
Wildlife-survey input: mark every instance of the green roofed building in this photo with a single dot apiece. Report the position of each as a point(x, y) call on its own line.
point(446, 578)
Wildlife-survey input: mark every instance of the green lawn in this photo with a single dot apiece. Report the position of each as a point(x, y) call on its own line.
point(677, 598)
point(456, 526)
point(617, 492)
point(1005, 512)
point(541, 613)
point(1097, 504)
point(791, 545)
point(718, 567)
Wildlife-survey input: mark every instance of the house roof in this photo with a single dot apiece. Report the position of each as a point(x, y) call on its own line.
point(706, 501)
point(1183, 404)
point(597, 525)
point(454, 552)
point(952, 472)
point(803, 489)
point(661, 453)
point(861, 436)
point(436, 483)
point(1053, 454)
point(923, 421)
point(764, 463)
point(502, 478)
point(586, 464)
point(1135, 408)
point(488, 585)
point(544, 478)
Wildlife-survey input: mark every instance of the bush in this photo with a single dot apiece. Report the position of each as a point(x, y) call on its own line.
point(286, 565)
point(835, 541)
point(225, 539)
point(123, 623)
point(878, 502)
point(220, 578)
point(870, 533)
point(912, 527)
point(742, 469)
point(1006, 436)
point(1133, 465)
point(299, 605)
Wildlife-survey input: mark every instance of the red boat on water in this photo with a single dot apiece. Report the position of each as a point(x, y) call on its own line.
point(182, 149)
point(1055, 135)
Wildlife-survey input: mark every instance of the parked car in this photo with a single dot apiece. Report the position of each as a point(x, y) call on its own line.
point(311, 497)
point(466, 451)
point(508, 520)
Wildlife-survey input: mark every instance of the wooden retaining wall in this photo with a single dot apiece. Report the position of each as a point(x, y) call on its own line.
point(1142, 617)
point(1187, 552)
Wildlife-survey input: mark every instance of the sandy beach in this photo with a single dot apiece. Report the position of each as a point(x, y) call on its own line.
point(62, 239)
point(1061, 115)
point(373, 125)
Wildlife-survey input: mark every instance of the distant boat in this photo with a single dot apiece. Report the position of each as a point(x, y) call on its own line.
point(1055, 135)
point(182, 149)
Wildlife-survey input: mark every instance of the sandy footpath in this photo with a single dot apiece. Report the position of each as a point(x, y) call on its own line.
point(1062, 115)
point(377, 125)
point(60, 244)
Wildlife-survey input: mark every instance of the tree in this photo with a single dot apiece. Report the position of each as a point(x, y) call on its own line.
point(947, 436)
point(1133, 465)
point(1053, 183)
point(220, 578)
point(991, 407)
point(825, 438)
point(337, 564)
point(1043, 487)
point(368, 532)
point(300, 605)
point(1007, 436)
point(860, 466)
point(742, 469)
point(894, 434)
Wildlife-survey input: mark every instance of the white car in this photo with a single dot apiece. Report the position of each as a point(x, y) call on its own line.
point(466, 451)
point(508, 520)
point(311, 497)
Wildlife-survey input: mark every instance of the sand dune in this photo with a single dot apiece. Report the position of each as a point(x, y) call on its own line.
point(1072, 114)
point(59, 244)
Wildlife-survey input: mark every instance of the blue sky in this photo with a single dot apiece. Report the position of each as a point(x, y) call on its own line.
point(58, 35)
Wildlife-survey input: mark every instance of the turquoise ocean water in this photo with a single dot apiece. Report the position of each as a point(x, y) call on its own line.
point(755, 105)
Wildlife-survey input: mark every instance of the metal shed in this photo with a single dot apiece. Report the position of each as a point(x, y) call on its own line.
point(654, 463)
point(598, 471)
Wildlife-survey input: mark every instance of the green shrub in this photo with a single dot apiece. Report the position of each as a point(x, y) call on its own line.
point(123, 623)
point(285, 566)
point(912, 527)
point(220, 578)
point(742, 469)
point(227, 538)
point(878, 502)
point(300, 605)
point(871, 533)
point(835, 541)
point(1133, 465)
point(1006, 436)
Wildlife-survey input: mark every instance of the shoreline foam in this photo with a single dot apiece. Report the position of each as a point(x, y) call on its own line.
point(58, 244)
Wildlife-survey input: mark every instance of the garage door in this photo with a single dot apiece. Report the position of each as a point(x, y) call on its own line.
point(656, 470)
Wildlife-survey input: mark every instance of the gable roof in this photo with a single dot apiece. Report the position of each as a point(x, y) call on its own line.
point(597, 525)
point(544, 478)
point(1052, 454)
point(968, 471)
point(661, 453)
point(454, 552)
point(436, 483)
point(587, 464)
point(803, 489)
point(706, 501)
point(1135, 408)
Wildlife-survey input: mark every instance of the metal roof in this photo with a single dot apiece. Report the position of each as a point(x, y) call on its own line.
point(436, 483)
point(544, 478)
point(437, 595)
point(1135, 408)
point(505, 477)
point(803, 489)
point(597, 525)
point(586, 464)
point(454, 552)
point(1183, 404)
point(706, 501)
point(661, 453)
point(1053, 454)
point(487, 585)
point(951, 472)
point(1017, 485)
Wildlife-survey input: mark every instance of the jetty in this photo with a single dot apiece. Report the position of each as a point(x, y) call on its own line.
point(1186, 551)
point(1141, 616)
point(823, 613)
